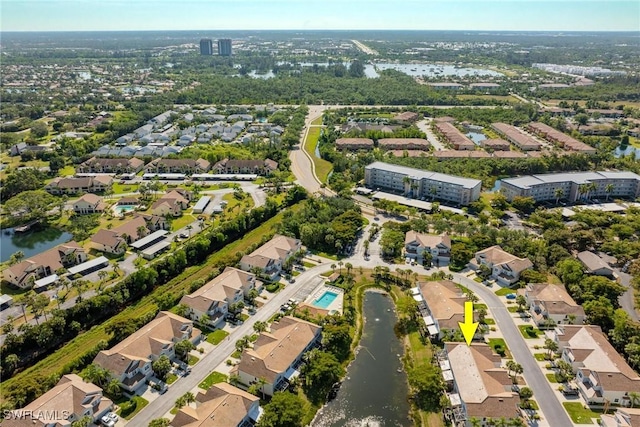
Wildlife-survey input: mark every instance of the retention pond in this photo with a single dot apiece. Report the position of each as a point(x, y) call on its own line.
point(374, 393)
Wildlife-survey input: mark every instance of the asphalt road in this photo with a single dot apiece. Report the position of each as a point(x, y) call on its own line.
point(221, 352)
point(423, 125)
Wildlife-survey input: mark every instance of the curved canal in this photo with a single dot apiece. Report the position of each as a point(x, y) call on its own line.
point(374, 392)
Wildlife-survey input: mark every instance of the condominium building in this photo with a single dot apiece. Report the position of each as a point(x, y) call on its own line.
point(206, 47)
point(602, 373)
point(444, 306)
point(270, 257)
point(224, 47)
point(420, 183)
point(572, 186)
point(516, 137)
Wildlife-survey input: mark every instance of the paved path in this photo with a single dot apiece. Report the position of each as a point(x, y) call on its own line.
point(425, 126)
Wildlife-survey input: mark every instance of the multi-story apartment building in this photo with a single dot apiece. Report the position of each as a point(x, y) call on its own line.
point(106, 165)
point(439, 246)
point(552, 305)
point(277, 353)
point(516, 137)
point(89, 184)
point(420, 183)
point(557, 137)
point(25, 273)
point(206, 47)
point(505, 268)
point(130, 360)
point(480, 388)
point(572, 186)
point(186, 166)
point(444, 303)
point(69, 401)
point(214, 298)
point(234, 166)
point(270, 257)
point(224, 47)
point(89, 204)
point(601, 372)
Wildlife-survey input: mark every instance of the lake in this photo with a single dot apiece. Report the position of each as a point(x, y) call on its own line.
point(373, 393)
point(627, 152)
point(32, 242)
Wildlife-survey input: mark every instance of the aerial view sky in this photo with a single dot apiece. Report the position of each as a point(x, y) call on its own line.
point(563, 15)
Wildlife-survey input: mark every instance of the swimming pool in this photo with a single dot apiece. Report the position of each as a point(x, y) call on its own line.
point(123, 209)
point(325, 300)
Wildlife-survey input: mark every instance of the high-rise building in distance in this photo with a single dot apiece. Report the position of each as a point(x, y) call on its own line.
point(224, 47)
point(206, 47)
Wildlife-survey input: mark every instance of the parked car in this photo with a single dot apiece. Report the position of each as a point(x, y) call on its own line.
point(109, 419)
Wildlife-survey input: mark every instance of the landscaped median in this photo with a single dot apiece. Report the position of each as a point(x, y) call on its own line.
point(322, 166)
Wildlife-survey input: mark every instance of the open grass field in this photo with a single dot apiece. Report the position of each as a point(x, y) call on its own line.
point(56, 361)
point(322, 166)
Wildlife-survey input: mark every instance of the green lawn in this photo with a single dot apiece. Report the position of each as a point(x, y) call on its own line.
point(124, 188)
point(505, 291)
point(489, 321)
point(171, 378)
point(193, 360)
point(579, 414)
point(217, 336)
point(529, 332)
point(513, 309)
point(308, 264)
point(129, 408)
point(496, 342)
point(552, 378)
point(323, 167)
point(213, 378)
point(540, 357)
point(182, 221)
point(68, 170)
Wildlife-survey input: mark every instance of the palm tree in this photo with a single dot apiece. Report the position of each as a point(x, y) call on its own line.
point(96, 374)
point(261, 383)
point(609, 189)
point(348, 266)
point(141, 231)
point(234, 380)
point(113, 388)
point(333, 268)
point(634, 397)
point(340, 264)
point(559, 193)
point(189, 228)
point(407, 182)
point(551, 346)
point(591, 187)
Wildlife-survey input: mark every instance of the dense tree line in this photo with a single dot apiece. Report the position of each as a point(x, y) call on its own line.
point(37, 341)
point(328, 225)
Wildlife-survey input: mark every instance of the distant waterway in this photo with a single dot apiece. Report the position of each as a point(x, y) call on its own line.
point(374, 393)
point(30, 243)
point(627, 152)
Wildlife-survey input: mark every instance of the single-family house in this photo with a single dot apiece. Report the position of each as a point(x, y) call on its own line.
point(270, 257)
point(25, 273)
point(130, 360)
point(69, 401)
point(623, 417)
point(551, 305)
point(222, 405)
point(437, 246)
point(601, 372)
point(214, 298)
point(89, 204)
point(505, 268)
point(277, 353)
point(593, 264)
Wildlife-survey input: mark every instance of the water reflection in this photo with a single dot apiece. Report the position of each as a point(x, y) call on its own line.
point(30, 243)
point(374, 392)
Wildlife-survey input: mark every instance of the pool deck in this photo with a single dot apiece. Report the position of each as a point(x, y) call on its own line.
point(336, 304)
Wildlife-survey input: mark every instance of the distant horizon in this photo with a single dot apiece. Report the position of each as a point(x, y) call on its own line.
point(320, 15)
point(362, 30)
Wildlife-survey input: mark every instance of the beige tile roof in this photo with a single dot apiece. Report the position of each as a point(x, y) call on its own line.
point(276, 350)
point(130, 228)
point(427, 240)
point(275, 249)
point(592, 261)
point(223, 405)
point(146, 341)
point(445, 301)
point(222, 288)
point(483, 385)
point(592, 348)
point(554, 298)
point(354, 142)
point(90, 198)
point(67, 396)
point(51, 258)
point(107, 238)
point(497, 256)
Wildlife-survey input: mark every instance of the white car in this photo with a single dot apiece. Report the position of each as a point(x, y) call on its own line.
point(110, 419)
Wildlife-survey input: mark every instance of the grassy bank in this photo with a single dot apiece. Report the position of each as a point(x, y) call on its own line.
point(322, 166)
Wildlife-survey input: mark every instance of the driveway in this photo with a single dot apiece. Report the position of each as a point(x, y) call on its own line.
point(425, 126)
